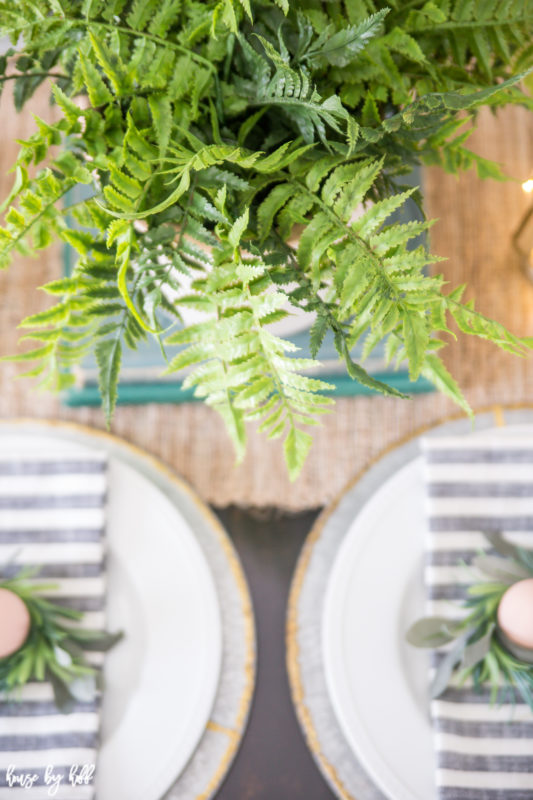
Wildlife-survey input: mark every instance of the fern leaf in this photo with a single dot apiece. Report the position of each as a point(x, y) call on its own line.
point(416, 338)
point(343, 46)
point(358, 275)
point(318, 228)
point(355, 191)
point(237, 230)
point(118, 200)
point(99, 94)
point(30, 355)
point(165, 17)
point(359, 374)
point(108, 353)
point(110, 63)
point(159, 71)
point(142, 11)
point(121, 234)
point(113, 8)
point(317, 333)
point(124, 184)
point(246, 5)
point(296, 447)
point(280, 158)
point(373, 218)
point(135, 166)
point(91, 8)
point(270, 206)
point(71, 111)
point(292, 90)
point(435, 371)
point(161, 109)
point(402, 42)
point(137, 142)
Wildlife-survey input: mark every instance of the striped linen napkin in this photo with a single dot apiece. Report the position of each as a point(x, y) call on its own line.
point(476, 484)
point(52, 513)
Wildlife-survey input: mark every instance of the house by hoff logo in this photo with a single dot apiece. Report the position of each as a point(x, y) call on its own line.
point(78, 775)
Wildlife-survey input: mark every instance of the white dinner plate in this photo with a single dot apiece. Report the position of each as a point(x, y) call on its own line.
point(376, 681)
point(162, 678)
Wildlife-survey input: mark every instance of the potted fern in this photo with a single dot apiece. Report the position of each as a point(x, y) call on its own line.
point(206, 133)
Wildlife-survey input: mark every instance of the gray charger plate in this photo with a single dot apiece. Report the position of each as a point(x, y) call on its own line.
point(327, 743)
point(218, 746)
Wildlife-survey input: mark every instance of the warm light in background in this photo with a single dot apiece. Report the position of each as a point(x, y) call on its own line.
point(523, 235)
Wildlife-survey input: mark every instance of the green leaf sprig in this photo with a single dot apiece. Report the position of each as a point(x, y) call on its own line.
point(481, 651)
point(54, 648)
point(306, 116)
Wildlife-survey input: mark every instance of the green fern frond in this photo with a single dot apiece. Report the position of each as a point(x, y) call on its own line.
point(244, 159)
point(341, 48)
point(108, 353)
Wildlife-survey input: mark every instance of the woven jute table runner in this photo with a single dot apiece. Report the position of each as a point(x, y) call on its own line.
point(476, 222)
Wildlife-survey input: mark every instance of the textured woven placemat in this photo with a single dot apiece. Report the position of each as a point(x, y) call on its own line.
point(218, 746)
point(477, 220)
point(322, 732)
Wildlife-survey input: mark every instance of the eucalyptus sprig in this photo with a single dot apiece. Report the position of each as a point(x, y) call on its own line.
point(54, 648)
point(307, 115)
point(481, 651)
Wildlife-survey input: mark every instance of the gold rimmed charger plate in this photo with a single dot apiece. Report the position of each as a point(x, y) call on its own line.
point(219, 743)
point(314, 710)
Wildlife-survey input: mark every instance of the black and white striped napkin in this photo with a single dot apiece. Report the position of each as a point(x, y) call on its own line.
point(52, 513)
point(476, 484)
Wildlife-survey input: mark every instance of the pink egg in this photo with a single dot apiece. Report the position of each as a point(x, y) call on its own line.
point(515, 613)
point(14, 622)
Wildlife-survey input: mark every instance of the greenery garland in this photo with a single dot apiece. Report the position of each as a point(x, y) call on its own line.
point(54, 648)
point(481, 651)
point(256, 147)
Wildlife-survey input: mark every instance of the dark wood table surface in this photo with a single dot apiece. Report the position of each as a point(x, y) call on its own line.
point(273, 762)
